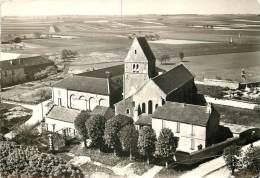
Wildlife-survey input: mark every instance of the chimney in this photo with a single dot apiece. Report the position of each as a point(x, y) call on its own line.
point(209, 108)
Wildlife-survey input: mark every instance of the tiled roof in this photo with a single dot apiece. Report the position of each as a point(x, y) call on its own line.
point(102, 73)
point(183, 113)
point(104, 111)
point(146, 48)
point(63, 114)
point(88, 84)
point(113, 71)
point(173, 79)
point(144, 120)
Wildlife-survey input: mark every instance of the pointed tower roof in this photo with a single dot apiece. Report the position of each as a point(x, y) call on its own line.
point(146, 48)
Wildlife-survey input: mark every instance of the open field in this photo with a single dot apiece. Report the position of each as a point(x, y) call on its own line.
point(106, 38)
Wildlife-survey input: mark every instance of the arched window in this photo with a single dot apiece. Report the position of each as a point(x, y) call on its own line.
point(139, 110)
point(127, 111)
point(143, 108)
point(133, 66)
point(72, 100)
point(156, 106)
point(135, 52)
point(100, 101)
point(150, 107)
point(137, 66)
point(91, 103)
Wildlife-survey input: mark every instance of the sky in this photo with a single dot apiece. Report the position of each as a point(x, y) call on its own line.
point(130, 7)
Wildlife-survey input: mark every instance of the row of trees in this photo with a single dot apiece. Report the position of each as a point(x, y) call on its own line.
point(119, 134)
point(166, 58)
point(248, 160)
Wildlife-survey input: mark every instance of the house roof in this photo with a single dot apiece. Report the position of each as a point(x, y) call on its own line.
point(63, 114)
point(173, 79)
point(88, 84)
point(24, 61)
point(102, 73)
point(104, 111)
point(183, 113)
point(144, 120)
point(146, 48)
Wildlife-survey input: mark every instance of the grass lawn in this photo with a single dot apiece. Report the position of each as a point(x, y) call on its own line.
point(141, 167)
point(213, 91)
point(105, 158)
point(88, 169)
point(246, 174)
point(11, 116)
point(238, 116)
point(166, 173)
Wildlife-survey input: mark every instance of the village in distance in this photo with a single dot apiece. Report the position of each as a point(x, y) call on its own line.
point(143, 96)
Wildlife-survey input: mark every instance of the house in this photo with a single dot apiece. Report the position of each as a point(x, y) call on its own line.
point(193, 125)
point(145, 88)
point(16, 68)
point(61, 120)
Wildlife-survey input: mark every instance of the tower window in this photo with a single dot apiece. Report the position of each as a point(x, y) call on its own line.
point(133, 66)
point(135, 52)
point(127, 111)
point(137, 66)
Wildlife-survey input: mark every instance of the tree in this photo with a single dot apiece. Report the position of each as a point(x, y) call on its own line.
point(252, 159)
point(80, 125)
point(181, 55)
point(129, 139)
point(166, 145)
point(146, 142)
point(165, 58)
point(112, 127)
point(17, 40)
point(95, 126)
point(25, 135)
point(231, 156)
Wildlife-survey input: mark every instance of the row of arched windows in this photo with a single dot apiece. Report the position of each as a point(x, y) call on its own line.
point(142, 108)
point(88, 104)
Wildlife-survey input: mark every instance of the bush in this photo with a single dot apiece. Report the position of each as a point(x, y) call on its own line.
point(231, 156)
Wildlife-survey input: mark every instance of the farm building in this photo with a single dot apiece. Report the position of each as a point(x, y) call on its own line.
point(15, 68)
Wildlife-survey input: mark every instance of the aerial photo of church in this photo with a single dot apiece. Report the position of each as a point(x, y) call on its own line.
point(140, 90)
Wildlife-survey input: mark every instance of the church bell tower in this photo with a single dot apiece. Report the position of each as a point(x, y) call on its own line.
point(139, 66)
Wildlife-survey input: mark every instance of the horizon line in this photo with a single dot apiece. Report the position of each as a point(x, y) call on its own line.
point(51, 15)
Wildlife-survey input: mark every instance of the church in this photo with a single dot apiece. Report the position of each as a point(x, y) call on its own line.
point(145, 88)
point(138, 89)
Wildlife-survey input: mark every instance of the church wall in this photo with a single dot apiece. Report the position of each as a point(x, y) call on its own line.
point(79, 100)
point(133, 82)
point(59, 97)
point(86, 101)
point(150, 92)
